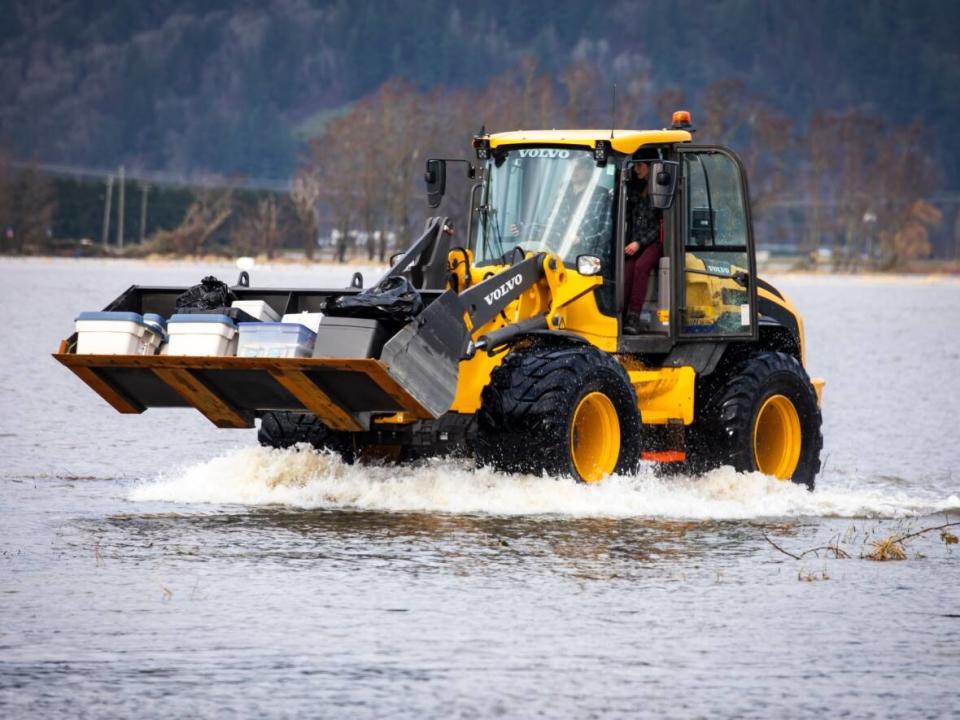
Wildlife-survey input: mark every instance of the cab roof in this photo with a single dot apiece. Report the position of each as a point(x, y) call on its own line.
point(624, 141)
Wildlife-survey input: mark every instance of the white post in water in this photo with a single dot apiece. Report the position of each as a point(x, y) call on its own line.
point(120, 205)
point(105, 237)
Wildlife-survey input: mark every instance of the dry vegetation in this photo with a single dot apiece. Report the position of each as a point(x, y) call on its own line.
point(27, 208)
point(876, 548)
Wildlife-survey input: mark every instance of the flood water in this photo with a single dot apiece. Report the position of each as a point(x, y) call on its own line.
point(154, 565)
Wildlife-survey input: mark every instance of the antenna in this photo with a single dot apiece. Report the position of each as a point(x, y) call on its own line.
point(613, 111)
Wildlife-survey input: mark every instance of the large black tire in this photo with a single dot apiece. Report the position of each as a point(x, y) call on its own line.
point(762, 417)
point(545, 405)
point(286, 429)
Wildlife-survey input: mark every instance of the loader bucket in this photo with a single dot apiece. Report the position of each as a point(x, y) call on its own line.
point(231, 391)
point(416, 374)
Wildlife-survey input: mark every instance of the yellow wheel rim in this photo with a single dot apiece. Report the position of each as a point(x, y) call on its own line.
point(595, 437)
point(777, 438)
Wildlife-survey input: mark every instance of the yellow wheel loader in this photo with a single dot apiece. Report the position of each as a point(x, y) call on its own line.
point(510, 346)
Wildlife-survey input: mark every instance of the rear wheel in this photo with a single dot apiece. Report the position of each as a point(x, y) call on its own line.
point(764, 418)
point(564, 411)
point(286, 429)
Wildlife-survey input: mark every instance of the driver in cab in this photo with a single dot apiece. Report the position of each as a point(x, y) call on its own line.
point(581, 219)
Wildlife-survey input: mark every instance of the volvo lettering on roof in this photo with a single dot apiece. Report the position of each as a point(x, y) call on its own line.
point(544, 153)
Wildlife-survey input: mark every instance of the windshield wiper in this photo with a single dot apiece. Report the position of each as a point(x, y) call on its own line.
point(490, 215)
point(496, 227)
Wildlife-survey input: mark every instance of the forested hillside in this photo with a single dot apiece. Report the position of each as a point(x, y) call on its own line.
point(199, 86)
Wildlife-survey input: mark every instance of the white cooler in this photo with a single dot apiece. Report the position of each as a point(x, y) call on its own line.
point(258, 309)
point(205, 335)
point(116, 333)
point(309, 320)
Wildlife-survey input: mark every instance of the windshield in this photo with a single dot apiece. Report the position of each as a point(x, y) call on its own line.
point(546, 199)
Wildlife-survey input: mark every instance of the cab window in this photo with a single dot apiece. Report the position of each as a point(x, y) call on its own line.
point(716, 259)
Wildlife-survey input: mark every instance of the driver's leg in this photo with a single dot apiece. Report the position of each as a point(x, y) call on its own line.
point(637, 279)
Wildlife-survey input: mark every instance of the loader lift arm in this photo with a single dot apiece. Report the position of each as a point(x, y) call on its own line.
point(424, 357)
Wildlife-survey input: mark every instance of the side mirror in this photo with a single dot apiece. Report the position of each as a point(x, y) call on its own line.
point(589, 265)
point(664, 183)
point(436, 177)
point(395, 258)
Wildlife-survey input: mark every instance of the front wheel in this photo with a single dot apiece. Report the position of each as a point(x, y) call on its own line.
point(286, 429)
point(561, 410)
point(764, 418)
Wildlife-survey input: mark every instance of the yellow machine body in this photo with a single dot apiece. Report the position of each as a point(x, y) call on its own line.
point(385, 399)
point(567, 298)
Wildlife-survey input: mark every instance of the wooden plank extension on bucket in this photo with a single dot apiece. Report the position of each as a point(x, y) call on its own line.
point(231, 391)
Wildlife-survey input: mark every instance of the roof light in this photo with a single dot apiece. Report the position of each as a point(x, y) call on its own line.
point(681, 120)
point(482, 146)
point(600, 152)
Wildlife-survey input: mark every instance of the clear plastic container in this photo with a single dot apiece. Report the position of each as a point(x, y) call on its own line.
point(268, 339)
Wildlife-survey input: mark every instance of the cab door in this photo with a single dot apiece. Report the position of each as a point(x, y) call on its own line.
point(716, 291)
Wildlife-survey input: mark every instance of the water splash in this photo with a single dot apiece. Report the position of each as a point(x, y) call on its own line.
point(306, 479)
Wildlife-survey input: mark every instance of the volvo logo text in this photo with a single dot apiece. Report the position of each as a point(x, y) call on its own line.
point(544, 153)
point(504, 289)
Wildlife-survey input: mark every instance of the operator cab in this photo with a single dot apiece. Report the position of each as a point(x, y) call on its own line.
point(567, 192)
point(701, 287)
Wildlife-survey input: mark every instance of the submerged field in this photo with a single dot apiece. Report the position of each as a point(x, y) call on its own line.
point(156, 565)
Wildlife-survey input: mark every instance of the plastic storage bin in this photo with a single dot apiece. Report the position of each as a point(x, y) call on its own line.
point(266, 339)
point(157, 323)
point(116, 333)
point(206, 335)
point(307, 319)
point(257, 309)
point(350, 337)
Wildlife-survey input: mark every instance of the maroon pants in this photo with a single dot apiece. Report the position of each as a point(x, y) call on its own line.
point(636, 275)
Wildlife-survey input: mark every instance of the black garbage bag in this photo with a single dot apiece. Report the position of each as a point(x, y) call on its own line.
point(395, 300)
point(210, 294)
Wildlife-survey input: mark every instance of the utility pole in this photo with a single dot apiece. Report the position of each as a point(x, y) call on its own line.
point(956, 237)
point(144, 189)
point(105, 237)
point(120, 204)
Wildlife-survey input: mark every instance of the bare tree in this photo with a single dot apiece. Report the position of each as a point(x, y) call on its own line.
point(207, 213)
point(258, 231)
point(35, 205)
point(7, 186)
point(305, 196)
